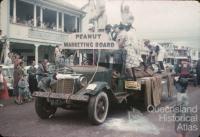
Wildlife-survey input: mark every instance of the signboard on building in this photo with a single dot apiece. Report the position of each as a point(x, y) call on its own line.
point(89, 41)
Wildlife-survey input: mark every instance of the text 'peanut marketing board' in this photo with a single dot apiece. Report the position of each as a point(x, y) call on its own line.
point(89, 41)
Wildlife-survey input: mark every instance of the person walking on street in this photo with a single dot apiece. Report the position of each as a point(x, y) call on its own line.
point(198, 72)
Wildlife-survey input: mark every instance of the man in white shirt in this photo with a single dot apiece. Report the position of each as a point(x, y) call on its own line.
point(160, 56)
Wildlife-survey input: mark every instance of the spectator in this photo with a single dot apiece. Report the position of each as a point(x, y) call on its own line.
point(59, 57)
point(38, 21)
point(13, 58)
point(17, 60)
point(32, 77)
point(198, 72)
point(17, 75)
point(24, 93)
point(3, 88)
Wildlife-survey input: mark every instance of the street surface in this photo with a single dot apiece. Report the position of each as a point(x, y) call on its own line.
point(22, 121)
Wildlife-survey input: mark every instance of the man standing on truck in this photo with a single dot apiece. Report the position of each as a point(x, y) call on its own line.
point(160, 52)
point(150, 54)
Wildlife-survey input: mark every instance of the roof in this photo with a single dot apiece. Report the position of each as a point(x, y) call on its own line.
point(65, 4)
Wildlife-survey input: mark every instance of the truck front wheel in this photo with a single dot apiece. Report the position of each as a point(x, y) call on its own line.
point(98, 108)
point(43, 108)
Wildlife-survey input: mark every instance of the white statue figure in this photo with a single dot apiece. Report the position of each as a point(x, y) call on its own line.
point(100, 16)
point(126, 15)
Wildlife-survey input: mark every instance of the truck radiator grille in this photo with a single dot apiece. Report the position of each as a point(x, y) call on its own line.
point(63, 86)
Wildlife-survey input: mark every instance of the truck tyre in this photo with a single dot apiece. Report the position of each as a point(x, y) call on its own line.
point(43, 108)
point(98, 108)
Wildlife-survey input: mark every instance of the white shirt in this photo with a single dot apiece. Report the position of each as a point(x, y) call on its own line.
point(8, 61)
point(161, 54)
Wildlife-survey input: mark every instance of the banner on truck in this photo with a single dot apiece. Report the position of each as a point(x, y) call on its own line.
point(89, 41)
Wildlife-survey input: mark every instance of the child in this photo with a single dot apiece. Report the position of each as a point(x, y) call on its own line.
point(24, 93)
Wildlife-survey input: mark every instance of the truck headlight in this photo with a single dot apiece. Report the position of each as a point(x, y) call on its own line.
point(83, 81)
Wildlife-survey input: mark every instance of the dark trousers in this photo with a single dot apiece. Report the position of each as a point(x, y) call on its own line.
point(198, 79)
point(33, 84)
point(161, 66)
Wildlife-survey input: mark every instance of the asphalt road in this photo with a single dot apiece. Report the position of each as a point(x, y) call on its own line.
point(22, 121)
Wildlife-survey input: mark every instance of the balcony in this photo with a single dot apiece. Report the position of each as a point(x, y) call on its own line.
point(21, 31)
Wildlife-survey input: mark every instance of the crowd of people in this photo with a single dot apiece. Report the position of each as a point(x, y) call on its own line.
point(25, 82)
point(29, 21)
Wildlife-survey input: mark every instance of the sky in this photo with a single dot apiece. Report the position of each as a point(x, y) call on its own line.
point(164, 21)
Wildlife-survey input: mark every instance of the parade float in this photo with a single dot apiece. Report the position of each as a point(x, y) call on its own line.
point(94, 87)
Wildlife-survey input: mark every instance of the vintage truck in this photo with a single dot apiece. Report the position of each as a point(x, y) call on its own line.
point(81, 87)
point(92, 87)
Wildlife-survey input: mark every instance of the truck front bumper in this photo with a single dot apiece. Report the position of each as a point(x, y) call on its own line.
point(71, 97)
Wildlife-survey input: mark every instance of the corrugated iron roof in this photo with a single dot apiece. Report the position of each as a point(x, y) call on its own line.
point(66, 4)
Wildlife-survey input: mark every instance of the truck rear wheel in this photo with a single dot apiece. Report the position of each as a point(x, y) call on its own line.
point(43, 108)
point(98, 108)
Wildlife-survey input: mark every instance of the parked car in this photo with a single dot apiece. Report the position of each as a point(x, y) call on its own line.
point(8, 75)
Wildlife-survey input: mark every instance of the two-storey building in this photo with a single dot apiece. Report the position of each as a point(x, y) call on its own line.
point(34, 27)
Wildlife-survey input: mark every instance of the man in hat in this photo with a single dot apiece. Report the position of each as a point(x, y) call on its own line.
point(91, 28)
point(115, 32)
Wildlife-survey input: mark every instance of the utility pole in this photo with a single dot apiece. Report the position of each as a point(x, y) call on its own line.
point(0, 18)
point(2, 38)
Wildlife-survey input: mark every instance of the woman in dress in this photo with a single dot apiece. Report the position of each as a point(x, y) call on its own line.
point(3, 88)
